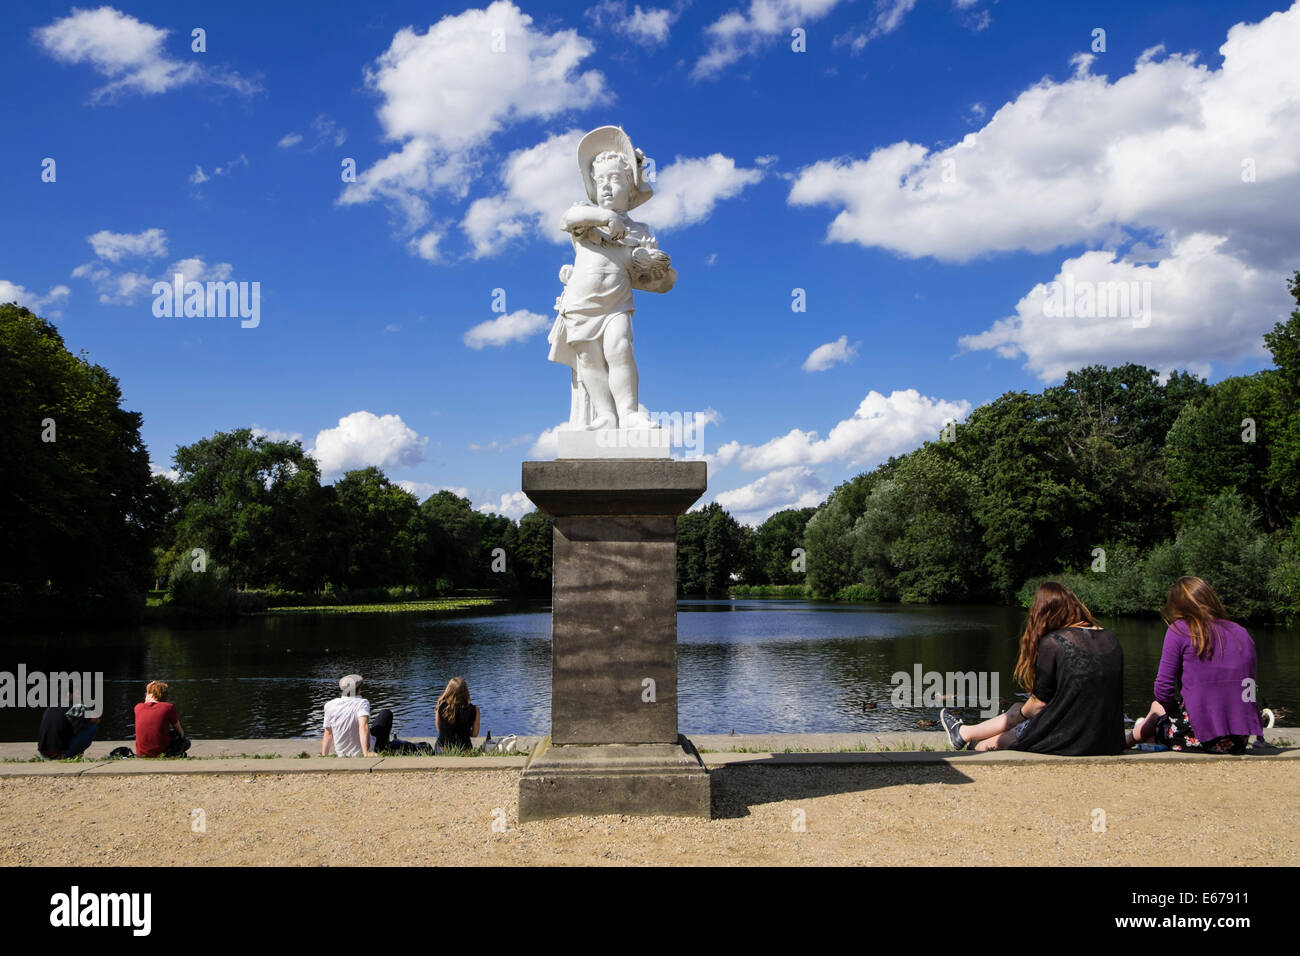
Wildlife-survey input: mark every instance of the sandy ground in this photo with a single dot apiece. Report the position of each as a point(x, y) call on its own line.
point(1223, 813)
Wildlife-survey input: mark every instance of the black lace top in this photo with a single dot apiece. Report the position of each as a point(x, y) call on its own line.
point(457, 734)
point(1080, 676)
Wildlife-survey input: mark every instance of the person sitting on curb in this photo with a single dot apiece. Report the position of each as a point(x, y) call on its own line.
point(158, 731)
point(348, 723)
point(1073, 669)
point(455, 718)
point(65, 733)
point(1205, 687)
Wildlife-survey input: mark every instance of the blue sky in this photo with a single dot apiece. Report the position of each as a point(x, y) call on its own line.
point(921, 170)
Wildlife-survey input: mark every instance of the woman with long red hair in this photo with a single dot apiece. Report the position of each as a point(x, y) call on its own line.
point(1205, 687)
point(1073, 669)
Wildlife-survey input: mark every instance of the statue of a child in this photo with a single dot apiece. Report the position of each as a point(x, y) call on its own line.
point(613, 254)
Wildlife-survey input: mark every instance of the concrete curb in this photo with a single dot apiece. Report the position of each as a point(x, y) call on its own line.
point(963, 758)
point(282, 756)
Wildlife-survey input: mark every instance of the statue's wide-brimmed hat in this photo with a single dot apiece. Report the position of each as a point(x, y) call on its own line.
point(612, 139)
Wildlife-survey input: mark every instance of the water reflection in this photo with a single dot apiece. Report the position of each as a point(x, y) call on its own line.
point(747, 666)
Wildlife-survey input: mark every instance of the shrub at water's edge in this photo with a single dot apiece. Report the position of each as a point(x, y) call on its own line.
point(787, 591)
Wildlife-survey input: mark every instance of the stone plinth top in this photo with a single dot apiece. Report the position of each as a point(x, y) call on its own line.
point(615, 443)
point(600, 486)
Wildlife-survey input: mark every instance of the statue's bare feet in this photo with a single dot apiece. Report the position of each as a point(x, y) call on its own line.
point(599, 422)
point(637, 420)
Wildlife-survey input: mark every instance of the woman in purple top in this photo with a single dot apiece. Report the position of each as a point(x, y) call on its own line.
point(1205, 689)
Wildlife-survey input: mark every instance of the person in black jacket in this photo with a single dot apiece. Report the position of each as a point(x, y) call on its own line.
point(65, 732)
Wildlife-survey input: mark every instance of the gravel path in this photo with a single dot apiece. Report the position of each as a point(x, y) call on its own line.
point(1234, 813)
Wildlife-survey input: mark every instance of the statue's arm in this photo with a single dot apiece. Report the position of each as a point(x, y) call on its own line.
point(582, 216)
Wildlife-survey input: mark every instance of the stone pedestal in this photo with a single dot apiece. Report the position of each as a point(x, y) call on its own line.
point(614, 746)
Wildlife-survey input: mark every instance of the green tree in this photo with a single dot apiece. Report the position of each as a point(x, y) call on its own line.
point(381, 524)
point(1284, 582)
point(255, 506)
point(1224, 545)
point(829, 544)
point(1284, 342)
point(1111, 424)
point(1031, 505)
point(499, 547)
point(691, 528)
point(205, 593)
point(918, 539)
point(774, 544)
point(724, 549)
point(1206, 452)
point(710, 549)
point(535, 549)
point(1281, 413)
point(79, 509)
point(452, 548)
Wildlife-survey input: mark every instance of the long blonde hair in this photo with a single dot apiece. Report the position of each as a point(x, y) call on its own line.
point(454, 700)
point(1055, 606)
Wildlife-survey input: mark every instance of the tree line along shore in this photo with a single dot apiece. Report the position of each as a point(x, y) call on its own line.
point(1115, 482)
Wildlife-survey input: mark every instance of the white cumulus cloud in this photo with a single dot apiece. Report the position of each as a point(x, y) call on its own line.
point(547, 445)
point(542, 182)
point(737, 34)
point(688, 188)
point(513, 327)
point(126, 286)
point(362, 439)
point(426, 246)
point(274, 434)
point(513, 504)
point(1204, 305)
point(1191, 169)
point(1167, 147)
point(12, 292)
point(794, 486)
point(447, 91)
point(832, 353)
point(195, 269)
point(649, 26)
point(115, 246)
point(424, 490)
point(129, 52)
point(880, 427)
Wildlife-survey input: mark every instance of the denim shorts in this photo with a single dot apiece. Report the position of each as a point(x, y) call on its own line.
point(1022, 727)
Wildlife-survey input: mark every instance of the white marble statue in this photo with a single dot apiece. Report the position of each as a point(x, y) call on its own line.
point(613, 254)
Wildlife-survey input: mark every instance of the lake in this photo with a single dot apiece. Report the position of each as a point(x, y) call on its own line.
point(752, 666)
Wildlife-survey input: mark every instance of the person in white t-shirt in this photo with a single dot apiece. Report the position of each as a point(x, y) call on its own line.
point(349, 726)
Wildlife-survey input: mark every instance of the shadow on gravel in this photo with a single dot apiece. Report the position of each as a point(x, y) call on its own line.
point(736, 788)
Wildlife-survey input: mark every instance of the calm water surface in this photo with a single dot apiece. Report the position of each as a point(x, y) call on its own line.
point(749, 666)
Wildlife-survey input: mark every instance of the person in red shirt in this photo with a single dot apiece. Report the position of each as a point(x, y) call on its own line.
point(158, 730)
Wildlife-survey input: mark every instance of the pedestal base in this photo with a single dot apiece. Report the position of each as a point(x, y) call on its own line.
point(594, 779)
